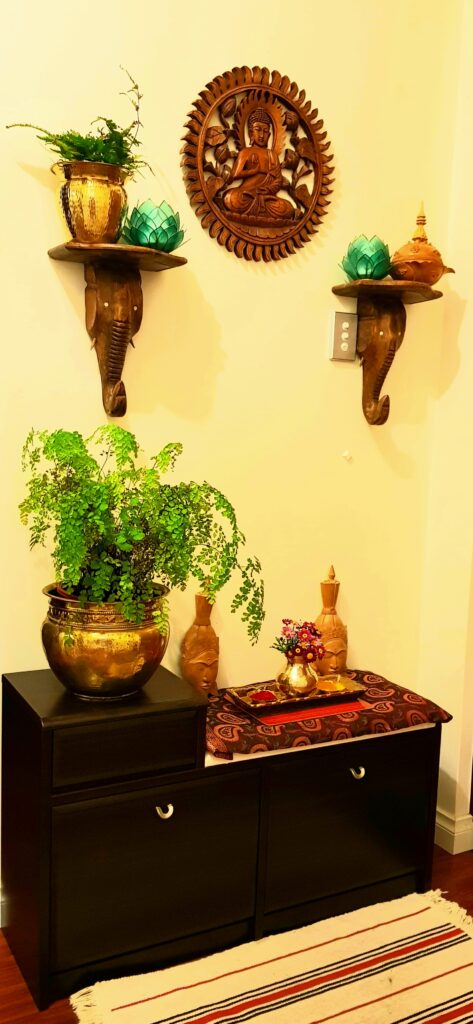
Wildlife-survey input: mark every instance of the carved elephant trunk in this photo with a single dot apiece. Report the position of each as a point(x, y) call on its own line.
point(381, 326)
point(114, 307)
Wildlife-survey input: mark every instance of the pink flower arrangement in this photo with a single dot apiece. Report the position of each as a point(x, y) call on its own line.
point(299, 640)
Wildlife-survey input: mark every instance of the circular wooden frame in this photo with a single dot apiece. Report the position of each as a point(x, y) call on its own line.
point(256, 86)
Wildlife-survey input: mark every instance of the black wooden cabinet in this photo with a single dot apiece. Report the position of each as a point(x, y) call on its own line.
point(151, 879)
point(121, 852)
point(358, 817)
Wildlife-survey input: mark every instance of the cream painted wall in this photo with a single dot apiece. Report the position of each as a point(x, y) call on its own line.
point(232, 357)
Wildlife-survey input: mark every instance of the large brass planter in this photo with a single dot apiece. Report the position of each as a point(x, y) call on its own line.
point(109, 657)
point(93, 200)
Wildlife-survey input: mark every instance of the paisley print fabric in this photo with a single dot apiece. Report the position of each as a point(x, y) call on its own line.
point(384, 707)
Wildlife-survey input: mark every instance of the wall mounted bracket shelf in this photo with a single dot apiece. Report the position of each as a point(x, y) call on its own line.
point(113, 304)
point(381, 326)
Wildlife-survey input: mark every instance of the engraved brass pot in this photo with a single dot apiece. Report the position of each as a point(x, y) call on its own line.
point(93, 200)
point(109, 658)
point(298, 678)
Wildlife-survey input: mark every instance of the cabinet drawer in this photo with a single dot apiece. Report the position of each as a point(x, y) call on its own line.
point(125, 748)
point(125, 878)
point(348, 816)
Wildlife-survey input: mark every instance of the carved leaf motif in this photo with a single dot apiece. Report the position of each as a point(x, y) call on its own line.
point(213, 185)
point(226, 171)
point(291, 159)
point(228, 107)
point(303, 195)
point(306, 150)
point(291, 120)
point(215, 136)
point(222, 152)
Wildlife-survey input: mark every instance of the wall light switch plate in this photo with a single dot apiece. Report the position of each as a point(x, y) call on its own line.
point(343, 336)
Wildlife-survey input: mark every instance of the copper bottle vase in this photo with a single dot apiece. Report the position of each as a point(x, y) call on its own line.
point(96, 653)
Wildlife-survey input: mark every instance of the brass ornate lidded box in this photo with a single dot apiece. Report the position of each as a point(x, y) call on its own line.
point(256, 163)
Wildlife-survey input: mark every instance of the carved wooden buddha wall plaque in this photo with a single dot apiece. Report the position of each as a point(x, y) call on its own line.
point(256, 163)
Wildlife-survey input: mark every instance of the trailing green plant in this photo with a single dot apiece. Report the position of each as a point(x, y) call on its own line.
point(110, 144)
point(119, 531)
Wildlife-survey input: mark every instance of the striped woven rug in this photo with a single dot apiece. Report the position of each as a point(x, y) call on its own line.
point(409, 961)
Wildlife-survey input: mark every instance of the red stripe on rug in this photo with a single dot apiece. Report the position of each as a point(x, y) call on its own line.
point(281, 717)
point(314, 983)
point(449, 1014)
point(390, 995)
point(273, 960)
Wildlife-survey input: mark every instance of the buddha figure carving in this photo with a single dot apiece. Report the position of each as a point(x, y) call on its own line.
point(334, 632)
point(200, 650)
point(257, 166)
point(256, 163)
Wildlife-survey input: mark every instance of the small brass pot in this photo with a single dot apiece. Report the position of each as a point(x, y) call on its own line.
point(93, 200)
point(298, 678)
point(109, 658)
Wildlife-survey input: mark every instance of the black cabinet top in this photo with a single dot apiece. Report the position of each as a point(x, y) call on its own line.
point(54, 706)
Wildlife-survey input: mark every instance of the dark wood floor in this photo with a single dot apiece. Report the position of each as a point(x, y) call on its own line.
point(454, 875)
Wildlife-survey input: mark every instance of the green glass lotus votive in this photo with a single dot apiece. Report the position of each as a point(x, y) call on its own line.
point(156, 227)
point(366, 257)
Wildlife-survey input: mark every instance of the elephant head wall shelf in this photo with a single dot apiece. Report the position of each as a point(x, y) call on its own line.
point(113, 304)
point(381, 326)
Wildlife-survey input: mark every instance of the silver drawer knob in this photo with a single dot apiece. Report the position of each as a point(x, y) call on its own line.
point(358, 773)
point(164, 814)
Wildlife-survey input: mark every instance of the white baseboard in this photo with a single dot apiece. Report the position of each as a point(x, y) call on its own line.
point(455, 835)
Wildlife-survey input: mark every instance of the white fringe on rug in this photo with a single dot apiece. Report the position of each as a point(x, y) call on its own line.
point(454, 911)
point(390, 949)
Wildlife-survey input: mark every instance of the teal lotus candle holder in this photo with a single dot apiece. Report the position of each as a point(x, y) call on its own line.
point(157, 227)
point(366, 257)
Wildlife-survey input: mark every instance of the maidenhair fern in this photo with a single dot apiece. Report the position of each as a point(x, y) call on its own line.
point(119, 531)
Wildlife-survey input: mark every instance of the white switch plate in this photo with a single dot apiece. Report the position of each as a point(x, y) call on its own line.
point(343, 336)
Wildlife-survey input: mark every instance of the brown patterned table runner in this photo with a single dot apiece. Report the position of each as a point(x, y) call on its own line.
point(384, 707)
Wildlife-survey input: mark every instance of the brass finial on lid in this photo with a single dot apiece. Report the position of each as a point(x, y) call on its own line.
point(419, 233)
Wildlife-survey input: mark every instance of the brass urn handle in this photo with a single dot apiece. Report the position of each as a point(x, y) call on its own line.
point(358, 773)
point(165, 814)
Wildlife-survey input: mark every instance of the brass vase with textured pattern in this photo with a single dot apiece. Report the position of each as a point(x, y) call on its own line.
point(93, 200)
point(299, 678)
point(95, 652)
